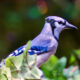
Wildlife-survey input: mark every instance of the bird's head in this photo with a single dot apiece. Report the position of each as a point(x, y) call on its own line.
point(56, 25)
point(59, 23)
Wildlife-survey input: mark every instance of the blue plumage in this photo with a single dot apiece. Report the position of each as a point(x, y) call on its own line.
point(37, 50)
point(33, 50)
point(19, 51)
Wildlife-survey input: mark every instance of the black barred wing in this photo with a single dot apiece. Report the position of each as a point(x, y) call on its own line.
point(18, 51)
point(38, 50)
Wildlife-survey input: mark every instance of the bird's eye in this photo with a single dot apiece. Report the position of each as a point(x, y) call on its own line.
point(63, 23)
point(60, 22)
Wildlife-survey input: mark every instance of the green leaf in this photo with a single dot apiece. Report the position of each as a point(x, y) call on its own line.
point(60, 65)
point(77, 52)
point(15, 61)
point(3, 77)
point(26, 51)
point(77, 77)
point(47, 67)
point(32, 60)
point(72, 59)
point(51, 62)
point(67, 72)
point(5, 72)
point(30, 69)
point(34, 73)
point(9, 63)
point(27, 47)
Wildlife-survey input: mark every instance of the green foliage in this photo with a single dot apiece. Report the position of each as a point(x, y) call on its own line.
point(21, 67)
point(72, 59)
point(54, 68)
point(75, 58)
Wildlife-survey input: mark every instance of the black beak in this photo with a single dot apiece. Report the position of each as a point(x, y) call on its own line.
point(68, 25)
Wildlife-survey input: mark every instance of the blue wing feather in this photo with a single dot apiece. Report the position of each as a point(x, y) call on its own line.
point(37, 50)
point(18, 51)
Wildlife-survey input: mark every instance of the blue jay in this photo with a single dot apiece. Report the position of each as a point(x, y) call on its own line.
point(45, 44)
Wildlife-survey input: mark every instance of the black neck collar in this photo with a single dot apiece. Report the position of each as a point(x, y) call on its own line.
point(53, 28)
point(56, 38)
point(51, 21)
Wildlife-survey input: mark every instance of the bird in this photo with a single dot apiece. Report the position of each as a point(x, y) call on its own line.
point(46, 43)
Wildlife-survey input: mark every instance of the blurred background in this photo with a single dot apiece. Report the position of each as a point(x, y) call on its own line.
point(22, 20)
